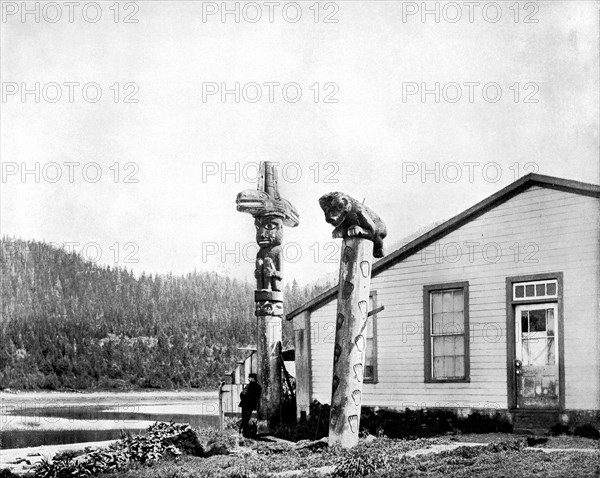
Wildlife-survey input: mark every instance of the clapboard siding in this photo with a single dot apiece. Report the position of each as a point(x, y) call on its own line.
point(564, 230)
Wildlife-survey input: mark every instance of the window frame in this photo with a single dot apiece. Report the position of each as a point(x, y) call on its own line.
point(427, 289)
point(374, 379)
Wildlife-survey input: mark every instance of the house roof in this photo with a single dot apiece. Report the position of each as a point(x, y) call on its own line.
point(454, 223)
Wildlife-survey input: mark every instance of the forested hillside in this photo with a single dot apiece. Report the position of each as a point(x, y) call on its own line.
point(70, 323)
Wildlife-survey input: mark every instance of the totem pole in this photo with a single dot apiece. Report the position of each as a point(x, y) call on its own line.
point(271, 212)
point(363, 232)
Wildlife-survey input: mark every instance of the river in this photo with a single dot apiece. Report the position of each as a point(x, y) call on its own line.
point(48, 418)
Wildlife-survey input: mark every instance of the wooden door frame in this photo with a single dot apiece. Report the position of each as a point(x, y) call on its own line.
point(510, 334)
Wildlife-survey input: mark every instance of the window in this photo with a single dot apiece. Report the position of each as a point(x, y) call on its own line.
point(370, 369)
point(546, 289)
point(446, 320)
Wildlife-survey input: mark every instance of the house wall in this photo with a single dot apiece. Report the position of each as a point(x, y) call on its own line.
point(302, 363)
point(540, 230)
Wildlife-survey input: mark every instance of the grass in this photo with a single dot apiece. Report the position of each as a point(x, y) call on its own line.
point(178, 451)
point(385, 458)
point(561, 441)
point(486, 462)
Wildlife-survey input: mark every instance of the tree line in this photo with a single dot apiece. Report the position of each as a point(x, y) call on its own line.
point(68, 323)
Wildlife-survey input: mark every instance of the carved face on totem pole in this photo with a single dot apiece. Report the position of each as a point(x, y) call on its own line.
point(269, 231)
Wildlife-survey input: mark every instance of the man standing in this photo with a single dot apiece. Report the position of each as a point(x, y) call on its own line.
point(249, 401)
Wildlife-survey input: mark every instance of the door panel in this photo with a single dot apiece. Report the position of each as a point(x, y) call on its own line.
point(536, 354)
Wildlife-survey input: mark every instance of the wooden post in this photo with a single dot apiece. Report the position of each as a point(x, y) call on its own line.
point(350, 341)
point(221, 412)
point(269, 370)
point(271, 212)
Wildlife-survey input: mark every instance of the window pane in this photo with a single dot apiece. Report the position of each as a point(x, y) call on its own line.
point(519, 291)
point(456, 326)
point(459, 344)
point(449, 367)
point(436, 302)
point(369, 360)
point(550, 321)
point(459, 300)
point(551, 357)
point(448, 326)
point(438, 347)
point(540, 290)
point(524, 321)
point(438, 367)
point(529, 290)
point(460, 366)
point(551, 288)
point(448, 302)
point(537, 320)
point(449, 346)
point(436, 324)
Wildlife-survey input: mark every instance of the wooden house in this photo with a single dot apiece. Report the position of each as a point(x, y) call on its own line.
point(494, 310)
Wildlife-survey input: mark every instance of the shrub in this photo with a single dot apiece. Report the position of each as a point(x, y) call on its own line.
point(6, 473)
point(587, 431)
point(232, 424)
point(313, 428)
point(559, 429)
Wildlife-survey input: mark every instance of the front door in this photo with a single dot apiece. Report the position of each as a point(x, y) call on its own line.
point(536, 360)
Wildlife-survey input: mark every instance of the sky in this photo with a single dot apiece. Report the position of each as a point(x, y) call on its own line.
point(127, 129)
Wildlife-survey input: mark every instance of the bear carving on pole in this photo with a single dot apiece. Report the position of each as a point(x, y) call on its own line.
point(363, 232)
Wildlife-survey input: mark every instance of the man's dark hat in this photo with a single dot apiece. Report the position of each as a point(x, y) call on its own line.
point(253, 375)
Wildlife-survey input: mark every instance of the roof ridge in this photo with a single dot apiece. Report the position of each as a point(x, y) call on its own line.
point(446, 227)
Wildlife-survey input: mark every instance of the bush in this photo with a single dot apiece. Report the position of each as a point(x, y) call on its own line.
point(559, 429)
point(313, 428)
point(411, 424)
point(232, 423)
point(587, 431)
point(6, 473)
point(427, 423)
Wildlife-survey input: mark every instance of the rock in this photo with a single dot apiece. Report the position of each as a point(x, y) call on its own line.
point(312, 445)
point(6, 473)
point(215, 449)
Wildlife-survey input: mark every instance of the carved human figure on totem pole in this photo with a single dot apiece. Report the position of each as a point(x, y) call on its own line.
point(269, 236)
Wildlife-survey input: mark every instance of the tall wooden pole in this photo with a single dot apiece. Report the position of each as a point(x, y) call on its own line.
point(363, 232)
point(271, 212)
point(350, 341)
point(269, 370)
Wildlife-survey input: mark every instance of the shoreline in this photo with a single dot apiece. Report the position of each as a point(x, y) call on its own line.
point(82, 394)
point(23, 460)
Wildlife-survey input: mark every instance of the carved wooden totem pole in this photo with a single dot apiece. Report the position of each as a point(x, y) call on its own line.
point(363, 233)
point(271, 212)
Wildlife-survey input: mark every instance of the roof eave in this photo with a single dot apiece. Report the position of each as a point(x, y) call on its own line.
point(459, 220)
